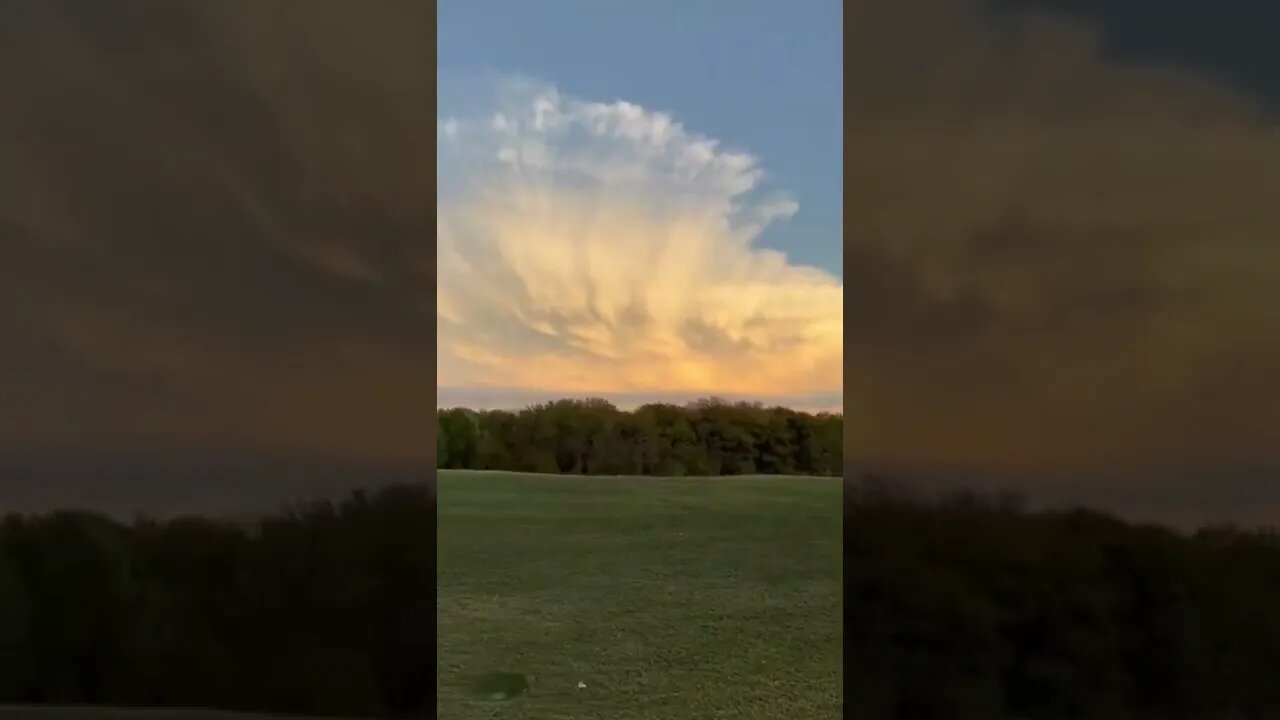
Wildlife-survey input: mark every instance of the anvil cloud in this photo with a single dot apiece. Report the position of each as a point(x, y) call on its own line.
point(601, 247)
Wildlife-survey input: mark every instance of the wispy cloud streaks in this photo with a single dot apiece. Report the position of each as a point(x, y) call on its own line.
point(596, 247)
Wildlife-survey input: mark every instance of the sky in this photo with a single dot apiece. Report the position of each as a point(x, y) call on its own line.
point(214, 236)
point(216, 231)
point(1061, 240)
point(639, 201)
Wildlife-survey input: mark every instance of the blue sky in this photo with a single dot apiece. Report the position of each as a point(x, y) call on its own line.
point(762, 76)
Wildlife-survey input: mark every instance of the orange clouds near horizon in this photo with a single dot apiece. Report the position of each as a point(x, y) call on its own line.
point(593, 248)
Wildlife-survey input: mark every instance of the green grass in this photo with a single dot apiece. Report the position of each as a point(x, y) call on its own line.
point(669, 598)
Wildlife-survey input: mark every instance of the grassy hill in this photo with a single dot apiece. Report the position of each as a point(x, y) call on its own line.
point(666, 598)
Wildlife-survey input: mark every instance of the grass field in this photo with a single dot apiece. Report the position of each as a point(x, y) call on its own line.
point(667, 598)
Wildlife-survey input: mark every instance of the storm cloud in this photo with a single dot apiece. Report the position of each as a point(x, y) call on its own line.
point(602, 248)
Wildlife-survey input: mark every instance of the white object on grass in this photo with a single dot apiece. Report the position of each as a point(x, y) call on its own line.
point(581, 685)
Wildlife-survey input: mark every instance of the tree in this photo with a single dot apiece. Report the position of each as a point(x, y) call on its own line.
point(593, 437)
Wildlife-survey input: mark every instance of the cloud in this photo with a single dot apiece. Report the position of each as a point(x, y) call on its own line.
point(1055, 259)
point(597, 247)
point(218, 239)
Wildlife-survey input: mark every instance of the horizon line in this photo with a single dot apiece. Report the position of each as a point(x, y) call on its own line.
point(496, 398)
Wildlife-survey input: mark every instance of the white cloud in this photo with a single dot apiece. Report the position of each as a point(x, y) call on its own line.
point(602, 247)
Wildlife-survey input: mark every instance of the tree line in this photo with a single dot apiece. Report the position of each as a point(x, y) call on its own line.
point(326, 609)
point(593, 437)
point(972, 607)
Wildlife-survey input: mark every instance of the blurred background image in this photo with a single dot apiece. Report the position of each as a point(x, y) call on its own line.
point(215, 357)
point(1061, 360)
